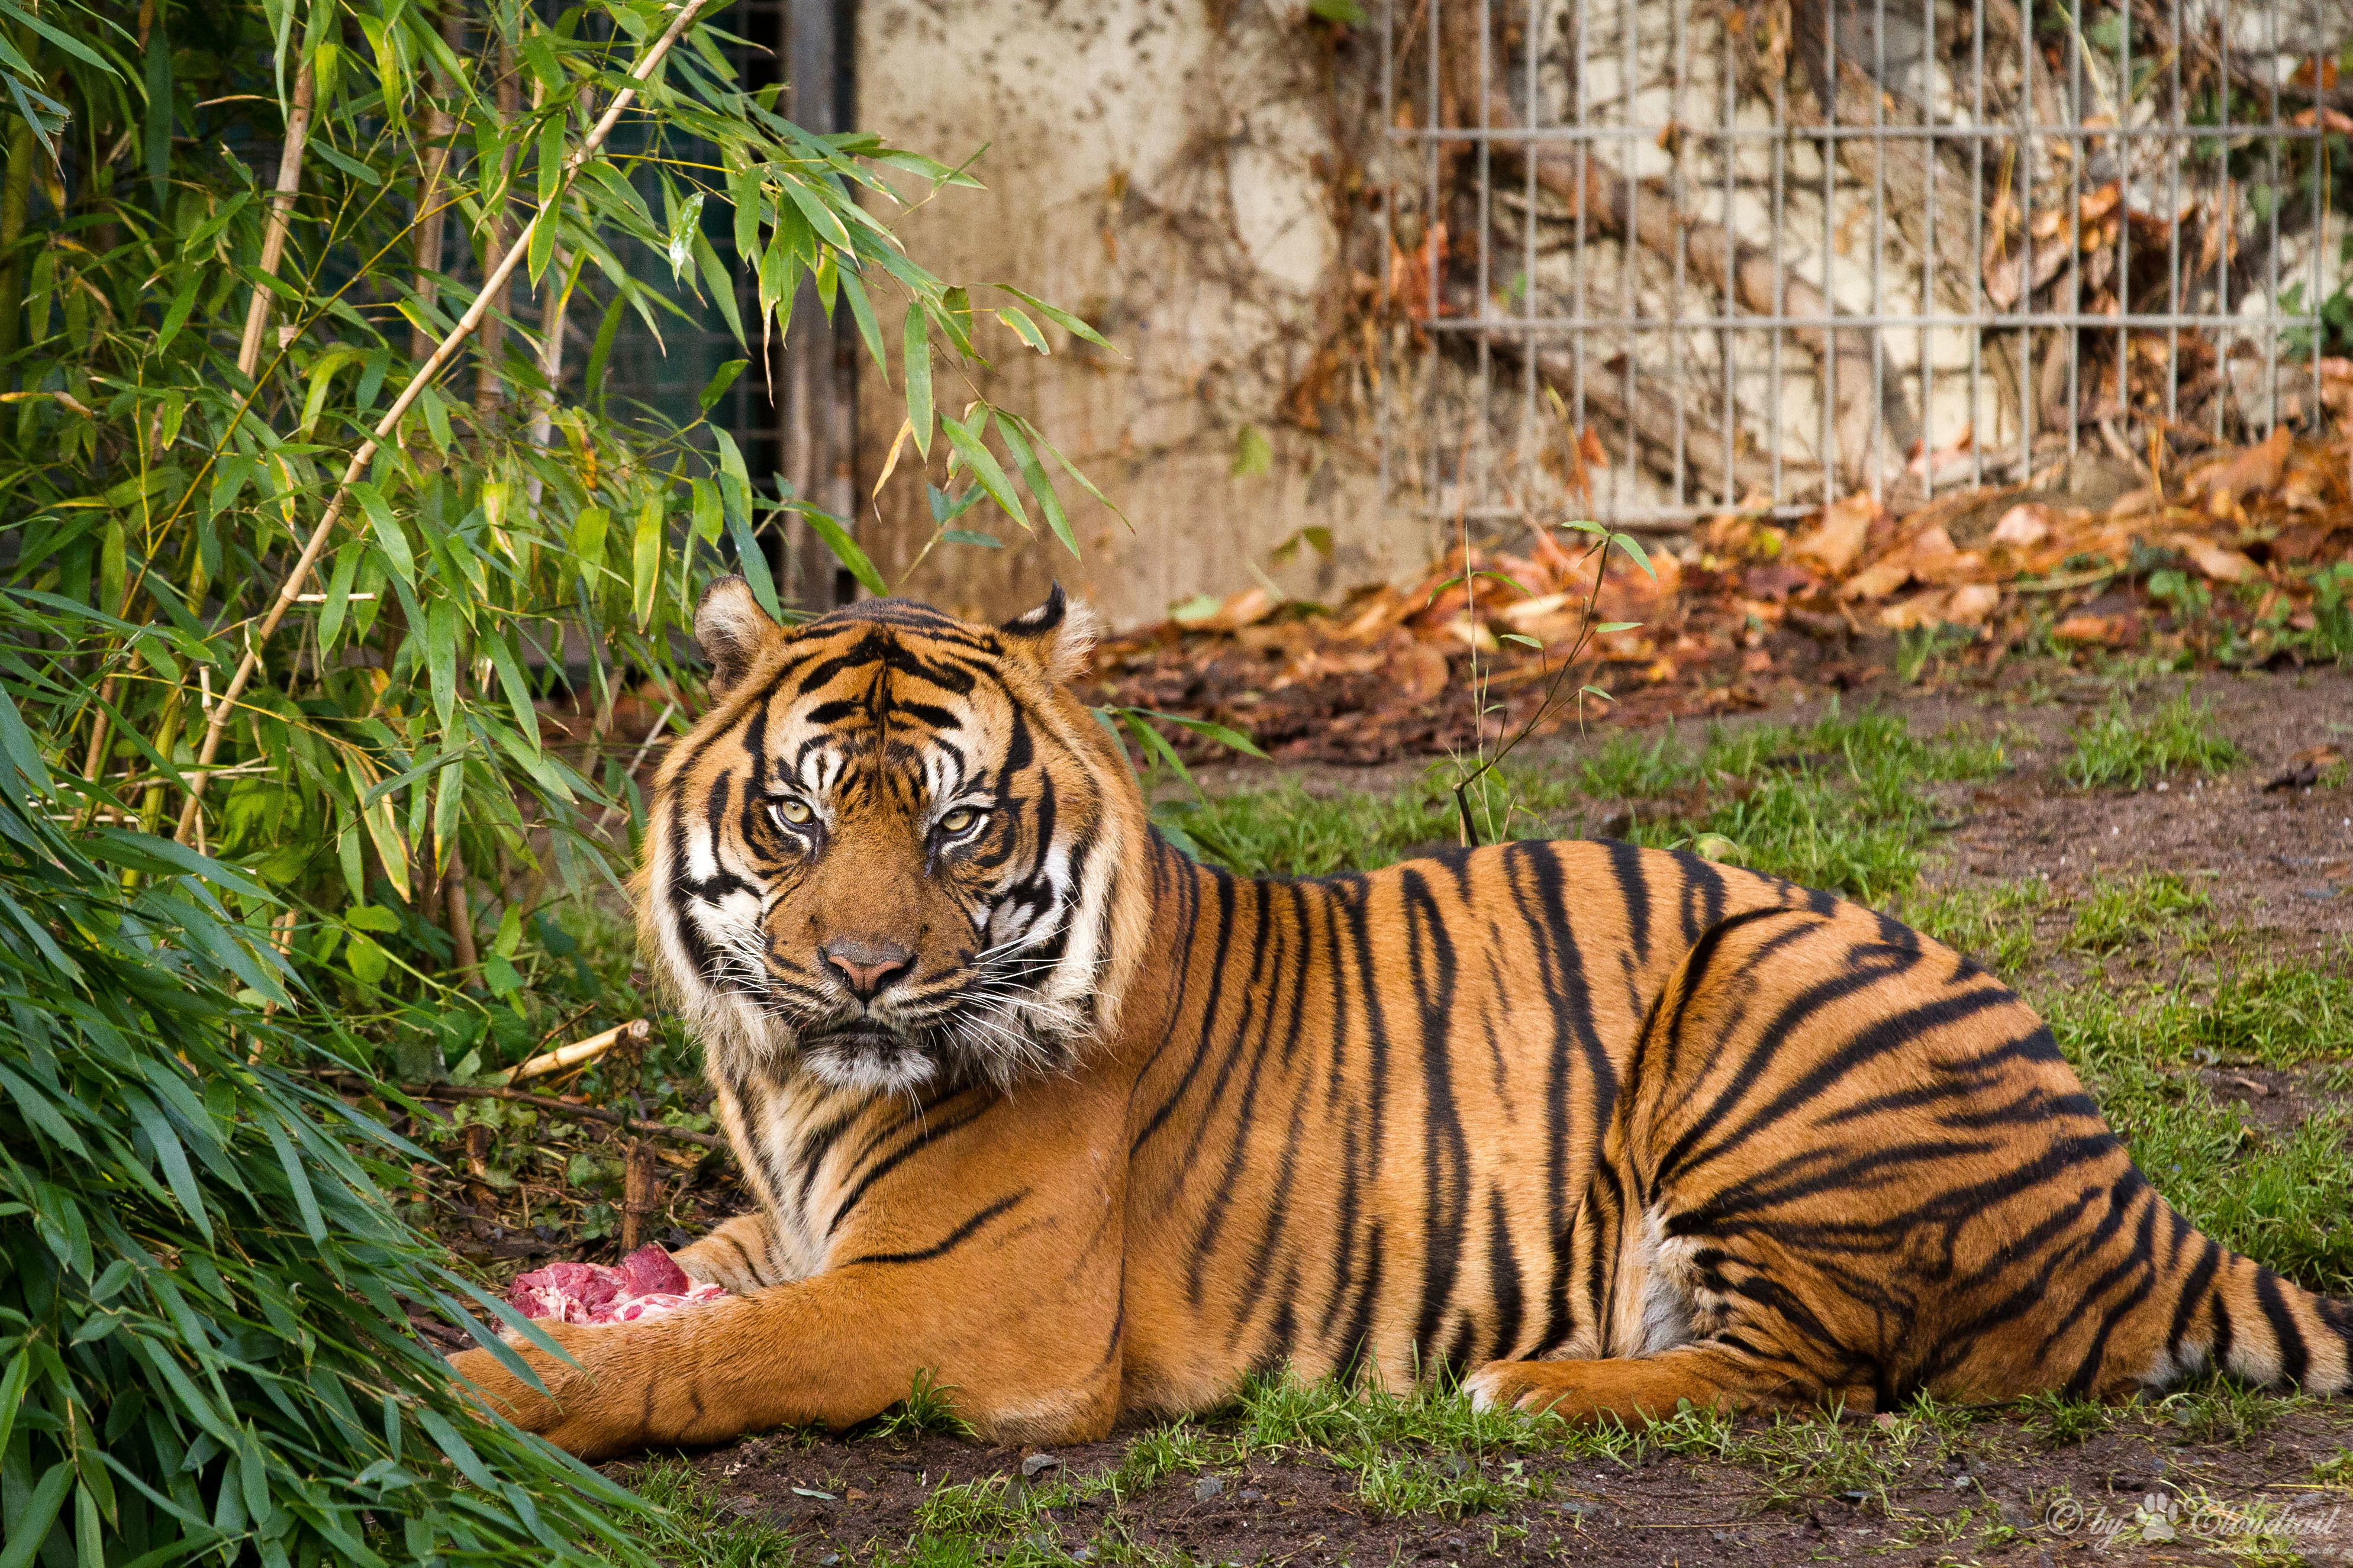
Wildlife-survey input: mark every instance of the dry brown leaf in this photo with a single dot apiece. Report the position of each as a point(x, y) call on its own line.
point(1971, 603)
point(2024, 526)
point(1878, 581)
point(2105, 630)
point(2257, 467)
point(2222, 565)
point(1420, 671)
point(1835, 541)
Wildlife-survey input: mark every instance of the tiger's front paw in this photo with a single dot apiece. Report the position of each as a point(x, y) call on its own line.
point(566, 1413)
point(1511, 1385)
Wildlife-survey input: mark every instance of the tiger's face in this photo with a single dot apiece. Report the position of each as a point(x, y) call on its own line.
point(896, 849)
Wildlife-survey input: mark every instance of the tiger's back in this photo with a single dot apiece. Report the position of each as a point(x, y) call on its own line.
point(1563, 1102)
point(1033, 1104)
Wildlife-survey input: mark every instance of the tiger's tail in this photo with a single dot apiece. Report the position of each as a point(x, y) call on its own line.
point(2232, 1313)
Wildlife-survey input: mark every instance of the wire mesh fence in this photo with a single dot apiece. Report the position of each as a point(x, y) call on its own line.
point(1667, 258)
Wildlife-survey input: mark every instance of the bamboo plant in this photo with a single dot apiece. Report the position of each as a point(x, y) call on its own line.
point(303, 500)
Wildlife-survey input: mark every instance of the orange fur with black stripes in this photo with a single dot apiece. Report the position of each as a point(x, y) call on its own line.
point(1034, 1104)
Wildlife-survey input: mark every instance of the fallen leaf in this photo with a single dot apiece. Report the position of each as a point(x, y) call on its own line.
point(1877, 580)
point(2257, 467)
point(1835, 541)
point(1971, 603)
point(2088, 629)
point(1420, 673)
point(2303, 769)
point(2024, 526)
point(2222, 565)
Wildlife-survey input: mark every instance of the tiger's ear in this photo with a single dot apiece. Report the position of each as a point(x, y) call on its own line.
point(1056, 636)
point(732, 630)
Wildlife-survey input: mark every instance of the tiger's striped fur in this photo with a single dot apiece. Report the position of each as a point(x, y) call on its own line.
point(1083, 1129)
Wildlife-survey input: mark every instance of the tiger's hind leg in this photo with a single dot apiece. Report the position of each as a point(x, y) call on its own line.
point(1837, 1150)
point(1712, 1375)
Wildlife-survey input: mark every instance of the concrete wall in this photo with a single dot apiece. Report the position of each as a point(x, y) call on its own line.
point(1180, 174)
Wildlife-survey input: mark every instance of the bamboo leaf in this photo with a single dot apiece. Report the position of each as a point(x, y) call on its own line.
point(517, 685)
point(845, 550)
point(1058, 316)
point(645, 562)
point(918, 367)
point(1034, 476)
point(753, 563)
point(984, 466)
point(390, 537)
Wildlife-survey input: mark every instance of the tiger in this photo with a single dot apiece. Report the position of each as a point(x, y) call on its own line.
point(1037, 1106)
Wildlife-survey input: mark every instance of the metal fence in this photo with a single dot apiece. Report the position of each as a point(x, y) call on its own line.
point(1654, 260)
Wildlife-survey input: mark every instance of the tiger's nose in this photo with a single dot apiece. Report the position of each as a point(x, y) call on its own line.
point(866, 967)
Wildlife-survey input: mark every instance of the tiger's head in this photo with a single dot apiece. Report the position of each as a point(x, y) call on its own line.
point(897, 849)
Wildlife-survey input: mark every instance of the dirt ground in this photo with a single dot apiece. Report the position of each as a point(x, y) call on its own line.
point(2003, 1492)
point(2279, 860)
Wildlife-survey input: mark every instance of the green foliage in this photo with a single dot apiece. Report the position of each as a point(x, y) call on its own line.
point(1994, 925)
point(691, 1526)
point(928, 1407)
point(2277, 1196)
point(2114, 749)
point(201, 1343)
point(2121, 910)
point(160, 499)
point(224, 558)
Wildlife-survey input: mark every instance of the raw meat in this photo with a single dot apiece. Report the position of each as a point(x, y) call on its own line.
point(648, 1284)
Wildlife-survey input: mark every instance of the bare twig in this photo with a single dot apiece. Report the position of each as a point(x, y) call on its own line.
point(538, 1102)
point(635, 1032)
point(443, 354)
point(281, 215)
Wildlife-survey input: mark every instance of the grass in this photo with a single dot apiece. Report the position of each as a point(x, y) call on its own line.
point(1993, 923)
point(1837, 804)
point(696, 1526)
point(2122, 911)
point(2116, 750)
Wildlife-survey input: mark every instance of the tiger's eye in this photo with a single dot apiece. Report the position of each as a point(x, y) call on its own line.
point(795, 812)
point(961, 818)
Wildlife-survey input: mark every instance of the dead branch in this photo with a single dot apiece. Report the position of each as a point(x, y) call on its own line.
point(536, 1101)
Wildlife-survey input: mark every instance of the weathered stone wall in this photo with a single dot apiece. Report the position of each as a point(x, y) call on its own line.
point(1180, 174)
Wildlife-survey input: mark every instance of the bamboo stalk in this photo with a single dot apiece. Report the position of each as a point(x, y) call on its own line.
point(357, 469)
point(281, 216)
point(490, 391)
point(460, 913)
point(635, 1032)
point(16, 200)
point(440, 127)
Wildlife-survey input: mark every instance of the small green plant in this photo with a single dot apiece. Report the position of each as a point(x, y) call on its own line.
point(2114, 749)
point(2337, 1470)
point(1919, 649)
point(1808, 1459)
point(692, 1527)
point(2220, 1409)
point(2124, 910)
point(2064, 1421)
point(1994, 925)
point(1450, 1484)
point(1628, 767)
point(2279, 1015)
point(2332, 611)
point(927, 1408)
point(1178, 1448)
point(989, 1506)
